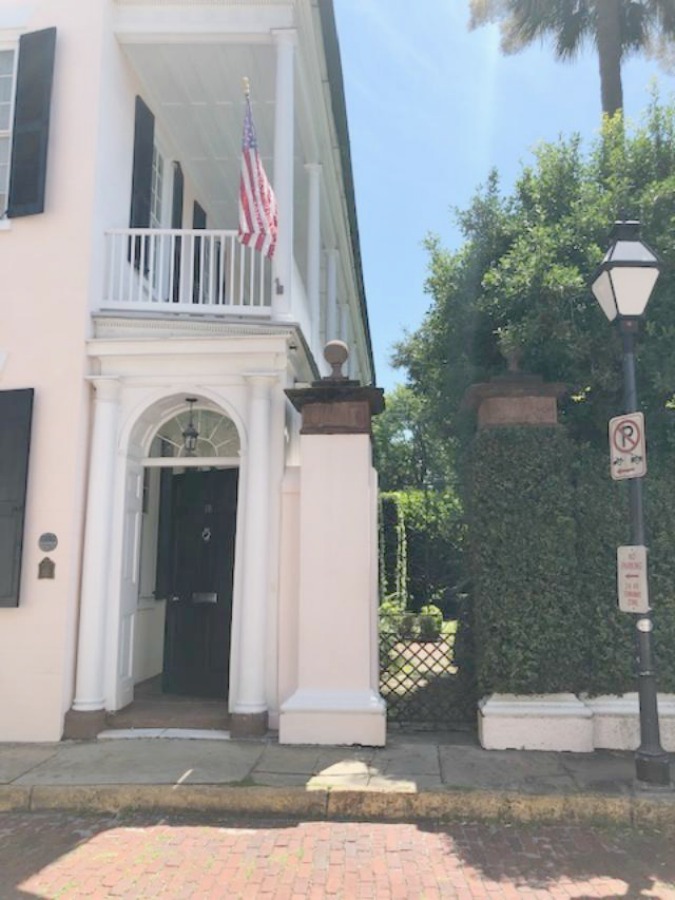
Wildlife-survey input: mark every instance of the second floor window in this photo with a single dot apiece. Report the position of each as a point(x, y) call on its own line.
point(157, 189)
point(7, 79)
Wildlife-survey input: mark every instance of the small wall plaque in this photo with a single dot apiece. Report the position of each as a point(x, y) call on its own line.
point(46, 568)
point(48, 542)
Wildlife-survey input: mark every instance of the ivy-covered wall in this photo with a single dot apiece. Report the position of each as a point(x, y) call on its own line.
point(545, 519)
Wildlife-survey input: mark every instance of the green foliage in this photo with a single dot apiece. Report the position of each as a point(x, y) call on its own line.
point(408, 626)
point(545, 521)
point(431, 622)
point(421, 537)
point(521, 528)
point(519, 286)
point(393, 550)
point(616, 29)
point(406, 455)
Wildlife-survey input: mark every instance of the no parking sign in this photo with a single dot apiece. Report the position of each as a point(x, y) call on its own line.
point(627, 449)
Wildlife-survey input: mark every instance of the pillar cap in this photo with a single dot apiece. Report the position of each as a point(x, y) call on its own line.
point(513, 384)
point(336, 404)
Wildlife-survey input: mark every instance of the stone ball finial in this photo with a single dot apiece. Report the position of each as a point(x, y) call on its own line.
point(336, 354)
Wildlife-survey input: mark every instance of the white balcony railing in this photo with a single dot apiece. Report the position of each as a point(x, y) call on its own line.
point(200, 272)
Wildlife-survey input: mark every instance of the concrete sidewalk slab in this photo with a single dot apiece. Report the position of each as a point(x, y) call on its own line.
point(409, 779)
point(146, 762)
point(18, 759)
point(506, 770)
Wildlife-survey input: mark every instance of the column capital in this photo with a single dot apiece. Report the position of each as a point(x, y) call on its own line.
point(107, 387)
point(285, 36)
point(261, 379)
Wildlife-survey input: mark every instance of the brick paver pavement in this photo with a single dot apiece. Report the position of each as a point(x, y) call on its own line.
point(71, 856)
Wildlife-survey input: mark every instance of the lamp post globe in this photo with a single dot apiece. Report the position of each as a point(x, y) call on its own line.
point(626, 277)
point(622, 286)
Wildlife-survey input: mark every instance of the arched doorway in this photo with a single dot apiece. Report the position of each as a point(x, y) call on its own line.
point(181, 528)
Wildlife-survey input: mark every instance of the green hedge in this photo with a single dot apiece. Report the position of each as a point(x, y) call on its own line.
point(521, 541)
point(421, 544)
point(545, 519)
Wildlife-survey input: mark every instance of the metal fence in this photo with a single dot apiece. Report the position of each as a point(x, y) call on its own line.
point(418, 681)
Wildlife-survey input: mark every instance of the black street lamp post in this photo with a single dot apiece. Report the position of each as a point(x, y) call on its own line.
point(622, 286)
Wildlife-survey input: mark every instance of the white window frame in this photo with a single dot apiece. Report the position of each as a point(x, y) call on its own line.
point(12, 46)
point(160, 211)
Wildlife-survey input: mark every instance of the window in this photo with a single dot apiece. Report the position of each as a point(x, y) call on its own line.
point(217, 435)
point(7, 78)
point(156, 189)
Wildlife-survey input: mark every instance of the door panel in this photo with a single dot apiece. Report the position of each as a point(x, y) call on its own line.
point(200, 569)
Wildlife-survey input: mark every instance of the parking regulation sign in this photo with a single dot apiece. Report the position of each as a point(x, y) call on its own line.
point(631, 571)
point(627, 449)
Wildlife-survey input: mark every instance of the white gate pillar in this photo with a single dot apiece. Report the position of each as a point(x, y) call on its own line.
point(249, 706)
point(87, 716)
point(336, 699)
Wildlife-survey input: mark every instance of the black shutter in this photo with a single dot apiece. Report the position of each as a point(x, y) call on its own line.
point(177, 199)
point(30, 134)
point(198, 216)
point(15, 414)
point(177, 222)
point(198, 221)
point(141, 181)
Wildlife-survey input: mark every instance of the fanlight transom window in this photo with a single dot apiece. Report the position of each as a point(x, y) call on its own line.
point(217, 435)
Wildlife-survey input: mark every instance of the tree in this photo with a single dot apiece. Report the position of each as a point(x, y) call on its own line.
point(617, 27)
point(406, 455)
point(520, 284)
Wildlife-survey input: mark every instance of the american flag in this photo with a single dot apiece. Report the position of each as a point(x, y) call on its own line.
point(257, 203)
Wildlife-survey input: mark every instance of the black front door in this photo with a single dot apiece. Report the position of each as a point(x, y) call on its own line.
point(198, 575)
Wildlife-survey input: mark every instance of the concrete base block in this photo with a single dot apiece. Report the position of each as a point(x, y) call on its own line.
point(83, 726)
point(340, 717)
point(248, 725)
point(537, 722)
point(616, 721)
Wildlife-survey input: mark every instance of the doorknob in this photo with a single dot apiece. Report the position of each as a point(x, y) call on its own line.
point(175, 598)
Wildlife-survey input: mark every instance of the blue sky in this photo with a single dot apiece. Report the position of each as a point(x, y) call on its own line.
point(432, 108)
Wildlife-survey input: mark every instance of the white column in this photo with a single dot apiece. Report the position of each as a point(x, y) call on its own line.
point(332, 331)
point(284, 137)
point(89, 682)
point(250, 700)
point(314, 256)
point(348, 338)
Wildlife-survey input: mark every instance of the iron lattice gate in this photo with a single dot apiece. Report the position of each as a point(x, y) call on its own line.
point(417, 680)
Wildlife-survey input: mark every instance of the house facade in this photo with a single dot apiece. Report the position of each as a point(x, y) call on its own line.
point(148, 449)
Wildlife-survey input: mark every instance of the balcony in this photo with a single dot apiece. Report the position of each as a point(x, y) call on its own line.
point(195, 272)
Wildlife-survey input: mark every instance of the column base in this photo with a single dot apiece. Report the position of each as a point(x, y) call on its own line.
point(334, 717)
point(248, 725)
point(83, 726)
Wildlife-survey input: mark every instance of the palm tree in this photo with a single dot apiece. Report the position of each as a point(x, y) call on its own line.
point(617, 27)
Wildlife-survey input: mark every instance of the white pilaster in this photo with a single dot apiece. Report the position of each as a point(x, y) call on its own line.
point(251, 684)
point(284, 137)
point(314, 255)
point(89, 682)
point(332, 331)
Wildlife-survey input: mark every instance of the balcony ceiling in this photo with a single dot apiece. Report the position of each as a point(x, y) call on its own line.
point(195, 91)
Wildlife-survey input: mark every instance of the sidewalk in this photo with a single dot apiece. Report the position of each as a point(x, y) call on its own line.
point(444, 777)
